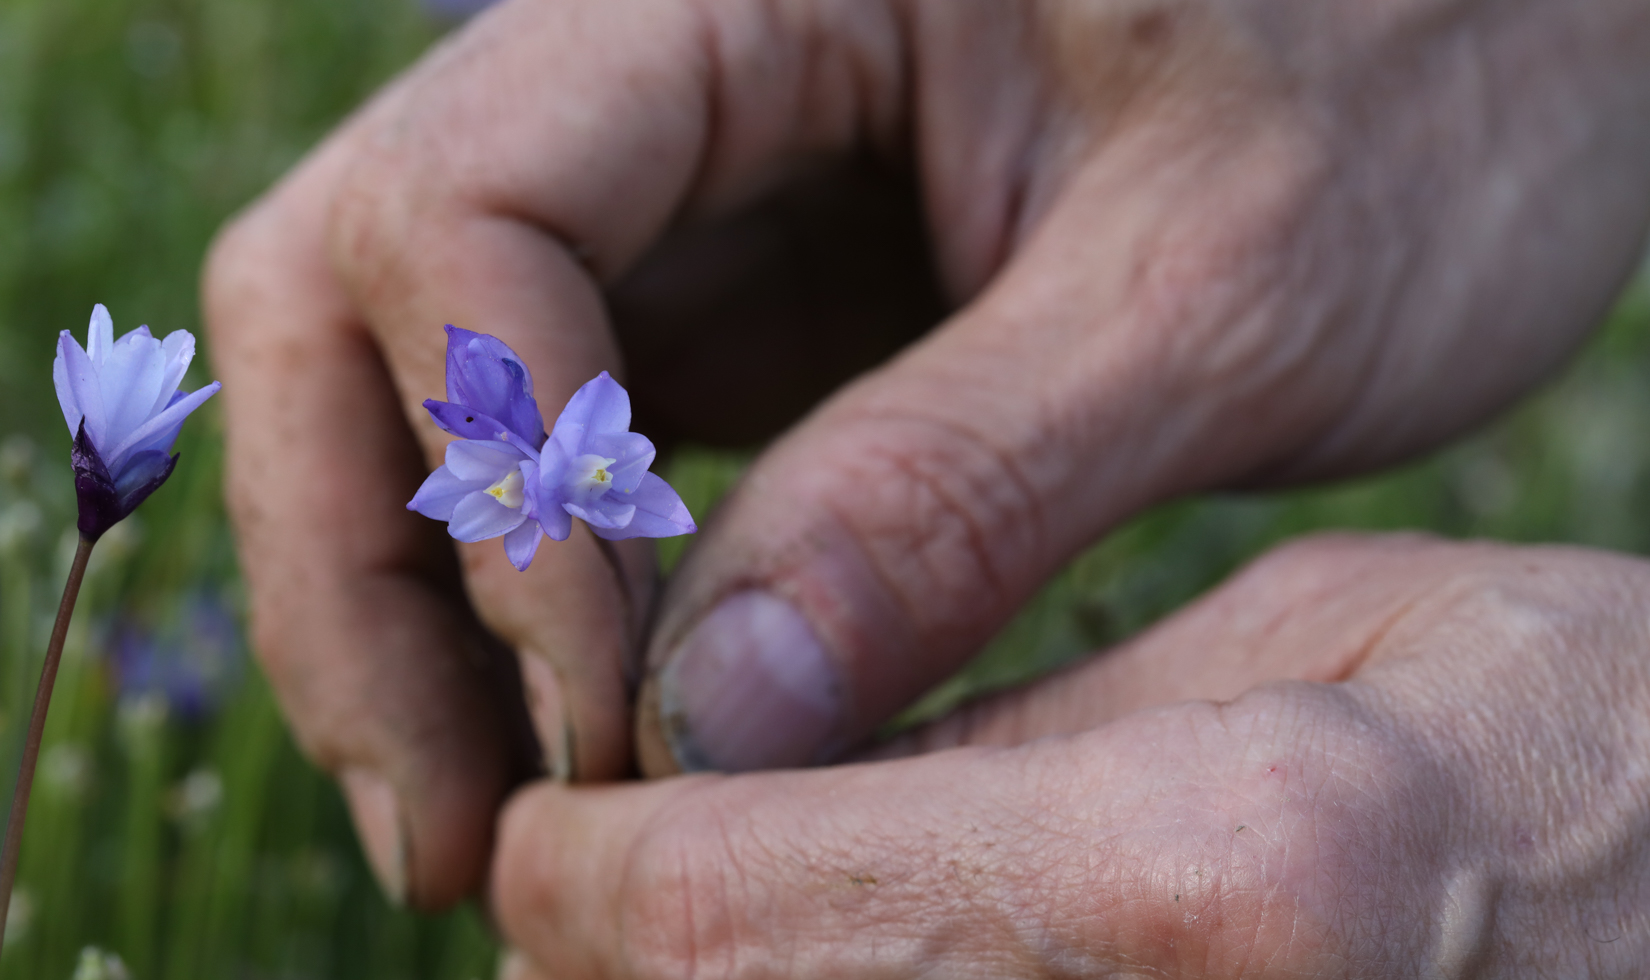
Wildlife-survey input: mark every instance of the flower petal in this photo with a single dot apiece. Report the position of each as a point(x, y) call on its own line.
point(484, 374)
point(60, 380)
point(600, 407)
point(603, 512)
point(100, 334)
point(632, 453)
point(479, 517)
point(482, 459)
point(441, 493)
point(660, 513)
point(80, 374)
point(557, 523)
point(522, 544)
point(178, 349)
point(161, 429)
point(131, 378)
point(158, 440)
point(140, 469)
point(95, 496)
point(144, 474)
point(545, 488)
point(468, 423)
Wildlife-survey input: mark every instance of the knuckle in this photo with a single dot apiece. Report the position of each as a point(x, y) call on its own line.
point(382, 200)
point(1308, 838)
point(942, 512)
point(679, 915)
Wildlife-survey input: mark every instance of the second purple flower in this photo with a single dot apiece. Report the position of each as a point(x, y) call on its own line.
point(504, 477)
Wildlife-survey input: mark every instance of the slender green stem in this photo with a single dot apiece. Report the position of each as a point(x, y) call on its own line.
point(37, 729)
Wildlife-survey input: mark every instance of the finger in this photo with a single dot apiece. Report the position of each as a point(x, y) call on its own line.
point(872, 550)
point(386, 677)
point(1317, 609)
point(1191, 842)
point(512, 229)
point(1481, 772)
point(1174, 302)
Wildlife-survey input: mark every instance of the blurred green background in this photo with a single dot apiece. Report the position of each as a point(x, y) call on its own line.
point(174, 822)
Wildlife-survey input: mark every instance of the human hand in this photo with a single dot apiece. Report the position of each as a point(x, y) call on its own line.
point(1191, 243)
point(1359, 757)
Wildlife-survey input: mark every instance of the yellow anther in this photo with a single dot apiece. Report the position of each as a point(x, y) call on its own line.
point(508, 490)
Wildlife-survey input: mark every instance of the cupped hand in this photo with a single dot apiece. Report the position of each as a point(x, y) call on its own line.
point(1187, 243)
point(1384, 757)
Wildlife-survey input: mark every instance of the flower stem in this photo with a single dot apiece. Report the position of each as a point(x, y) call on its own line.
point(37, 728)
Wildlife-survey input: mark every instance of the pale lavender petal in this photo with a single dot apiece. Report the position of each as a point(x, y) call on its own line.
point(522, 544)
point(603, 512)
point(60, 380)
point(441, 493)
point(557, 523)
point(81, 375)
point(131, 378)
point(601, 406)
point(545, 492)
point(474, 459)
point(178, 349)
point(484, 374)
point(100, 335)
point(479, 516)
point(159, 440)
point(150, 434)
point(660, 513)
point(632, 454)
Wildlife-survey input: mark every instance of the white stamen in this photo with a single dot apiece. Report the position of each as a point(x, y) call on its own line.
point(587, 476)
point(508, 490)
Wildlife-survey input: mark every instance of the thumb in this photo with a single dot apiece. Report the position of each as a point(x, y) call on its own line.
point(874, 549)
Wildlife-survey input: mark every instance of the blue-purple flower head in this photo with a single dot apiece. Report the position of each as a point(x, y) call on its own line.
point(192, 660)
point(504, 477)
point(123, 405)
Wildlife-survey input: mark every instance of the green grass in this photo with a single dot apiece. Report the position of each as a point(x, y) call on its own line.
point(206, 847)
point(193, 848)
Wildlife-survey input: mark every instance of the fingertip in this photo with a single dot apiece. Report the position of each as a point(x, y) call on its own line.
point(750, 687)
point(376, 810)
point(570, 865)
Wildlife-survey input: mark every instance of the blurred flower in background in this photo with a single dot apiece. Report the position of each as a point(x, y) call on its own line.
point(455, 11)
point(95, 964)
point(192, 663)
point(195, 798)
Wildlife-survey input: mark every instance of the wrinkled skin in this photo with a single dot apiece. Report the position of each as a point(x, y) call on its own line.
point(1182, 245)
point(1384, 757)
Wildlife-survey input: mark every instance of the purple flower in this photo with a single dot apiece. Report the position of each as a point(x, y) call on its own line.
point(504, 477)
point(193, 660)
point(121, 401)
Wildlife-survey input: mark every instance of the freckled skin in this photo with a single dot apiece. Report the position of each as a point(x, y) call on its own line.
point(1099, 253)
